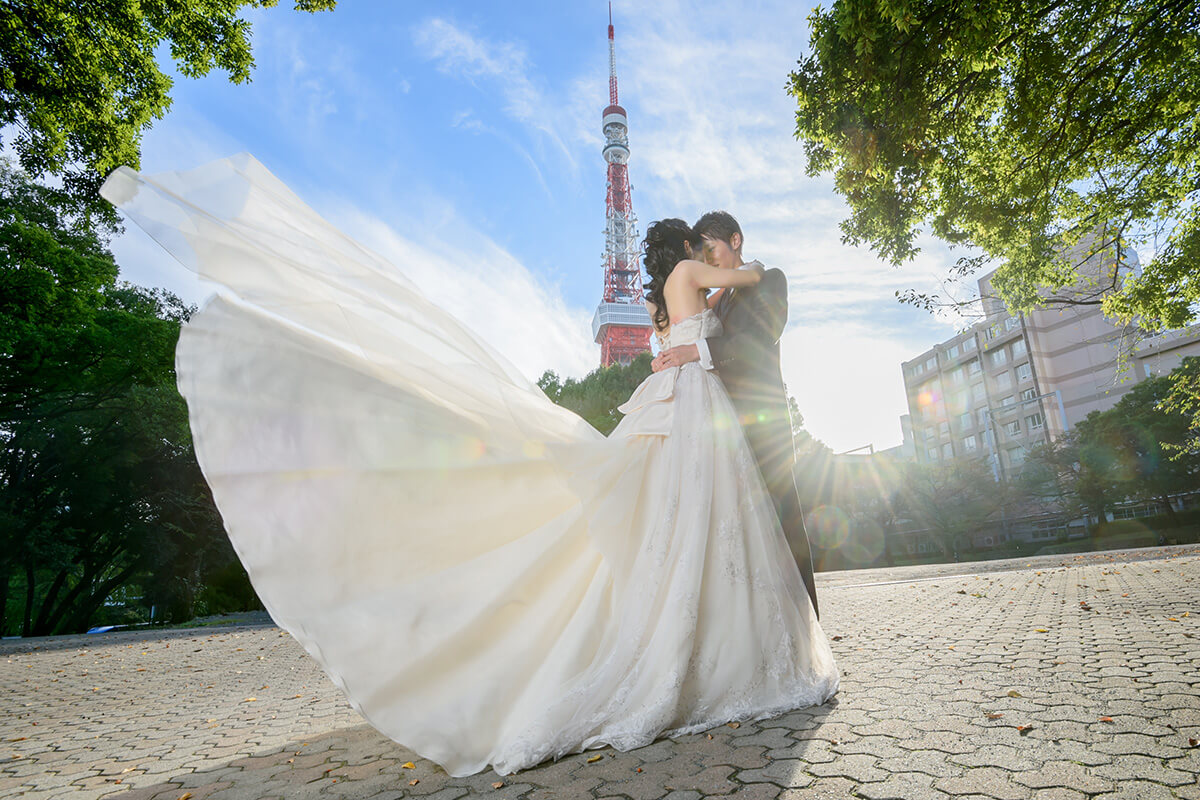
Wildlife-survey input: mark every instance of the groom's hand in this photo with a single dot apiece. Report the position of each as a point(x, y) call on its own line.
point(675, 357)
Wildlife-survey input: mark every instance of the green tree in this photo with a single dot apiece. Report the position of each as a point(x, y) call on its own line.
point(80, 82)
point(952, 500)
point(596, 396)
point(1183, 397)
point(1022, 129)
point(99, 488)
point(1075, 477)
point(1129, 442)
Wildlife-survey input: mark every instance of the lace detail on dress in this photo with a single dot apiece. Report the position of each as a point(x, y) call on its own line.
point(702, 325)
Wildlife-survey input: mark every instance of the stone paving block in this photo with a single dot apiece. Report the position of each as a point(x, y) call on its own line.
point(902, 786)
point(1146, 768)
point(785, 773)
point(1137, 790)
point(988, 781)
point(1066, 774)
point(859, 768)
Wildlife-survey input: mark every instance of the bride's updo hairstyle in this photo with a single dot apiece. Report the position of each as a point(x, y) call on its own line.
point(662, 249)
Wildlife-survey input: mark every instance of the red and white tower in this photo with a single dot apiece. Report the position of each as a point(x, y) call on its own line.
point(621, 324)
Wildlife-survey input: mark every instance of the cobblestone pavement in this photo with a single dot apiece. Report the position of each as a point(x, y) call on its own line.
point(1067, 679)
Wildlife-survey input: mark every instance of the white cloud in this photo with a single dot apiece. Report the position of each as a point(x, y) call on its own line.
point(504, 66)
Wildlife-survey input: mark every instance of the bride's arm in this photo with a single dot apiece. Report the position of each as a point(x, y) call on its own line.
point(704, 276)
point(714, 297)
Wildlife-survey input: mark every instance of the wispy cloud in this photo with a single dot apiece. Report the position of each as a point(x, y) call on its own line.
point(502, 67)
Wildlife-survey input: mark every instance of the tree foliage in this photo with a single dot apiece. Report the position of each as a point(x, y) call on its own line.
point(596, 396)
point(80, 82)
point(100, 493)
point(1022, 129)
point(951, 499)
point(1143, 448)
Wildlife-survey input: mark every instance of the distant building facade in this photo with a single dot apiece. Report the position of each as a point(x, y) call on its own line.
point(1011, 381)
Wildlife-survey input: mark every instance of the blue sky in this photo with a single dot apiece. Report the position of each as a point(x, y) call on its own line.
point(462, 140)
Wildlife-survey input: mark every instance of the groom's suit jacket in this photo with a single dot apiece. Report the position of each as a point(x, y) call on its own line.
point(746, 357)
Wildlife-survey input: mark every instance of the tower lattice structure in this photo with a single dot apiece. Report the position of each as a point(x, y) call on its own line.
point(621, 324)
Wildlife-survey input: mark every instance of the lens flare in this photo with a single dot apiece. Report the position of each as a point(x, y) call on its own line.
point(828, 527)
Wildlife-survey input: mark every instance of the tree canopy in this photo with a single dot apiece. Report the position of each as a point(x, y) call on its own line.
point(1022, 129)
point(100, 493)
point(80, 82)
point(595, 397)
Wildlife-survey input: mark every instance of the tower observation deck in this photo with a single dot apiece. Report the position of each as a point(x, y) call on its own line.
point(621, 324)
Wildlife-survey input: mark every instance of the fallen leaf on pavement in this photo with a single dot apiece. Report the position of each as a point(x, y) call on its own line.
point(497, 784)
point(735, 724)
point(1014, 693)
point(594, 759)
point(1106, 719)
point(408, 765)
point(995, 715)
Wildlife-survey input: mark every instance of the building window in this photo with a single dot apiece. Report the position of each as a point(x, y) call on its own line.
point(982, 415)
point(1018, 348)
point(1013, 428)
point(1011, 323)
point(1034, 422)
point(1029, 394)
point(930, 433)
point(1024, 373)
point(943, 428)
point(973, 367)
point(1016, 457)
point(964, 421)
point(933, 454)
point(999, 357)
point(1008, 401)
point(931, 363)
point(1004, 380)
point(947, 451)
point(970, 443)
point(978, 393)
point(968, 344)
point(952, 351)
point(956, 376)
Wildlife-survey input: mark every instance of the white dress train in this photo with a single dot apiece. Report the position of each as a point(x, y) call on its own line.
point(488, 579)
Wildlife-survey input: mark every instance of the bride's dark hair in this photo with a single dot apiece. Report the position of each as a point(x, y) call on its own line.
point(662, 249)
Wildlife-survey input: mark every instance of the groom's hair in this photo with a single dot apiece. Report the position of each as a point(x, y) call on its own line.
point(719, 225)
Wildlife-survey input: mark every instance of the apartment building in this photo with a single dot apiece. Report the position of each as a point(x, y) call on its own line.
point(1011, 381)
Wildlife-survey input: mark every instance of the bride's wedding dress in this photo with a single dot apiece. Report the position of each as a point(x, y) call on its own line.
point(488, 579)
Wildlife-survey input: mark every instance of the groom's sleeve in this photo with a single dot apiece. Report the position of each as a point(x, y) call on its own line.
point(764, 324)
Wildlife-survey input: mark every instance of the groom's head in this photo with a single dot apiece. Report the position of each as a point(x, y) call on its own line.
point(722, 237)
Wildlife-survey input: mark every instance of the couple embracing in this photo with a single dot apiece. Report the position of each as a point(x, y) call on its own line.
point(745, 353)
point(490, 580)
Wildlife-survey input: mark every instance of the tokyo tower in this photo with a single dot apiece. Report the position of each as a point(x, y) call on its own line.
point(621, 324)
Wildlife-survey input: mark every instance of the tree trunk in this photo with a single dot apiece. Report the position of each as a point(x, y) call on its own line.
point(1170, 510)
point(4, 578)
point(27, 626)
point(78, 622)
point(48, 600)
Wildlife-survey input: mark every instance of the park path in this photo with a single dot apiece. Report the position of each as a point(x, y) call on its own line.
point(1054, 678)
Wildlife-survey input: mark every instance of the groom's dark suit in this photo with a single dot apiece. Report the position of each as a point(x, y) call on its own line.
point(746, 357)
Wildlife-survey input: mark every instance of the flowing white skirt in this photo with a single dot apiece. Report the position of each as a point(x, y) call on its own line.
point(488, 579)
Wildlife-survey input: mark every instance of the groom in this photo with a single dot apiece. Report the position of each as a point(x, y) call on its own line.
point(747, 359)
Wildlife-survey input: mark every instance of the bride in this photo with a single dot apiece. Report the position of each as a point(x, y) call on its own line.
point(488, 579)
